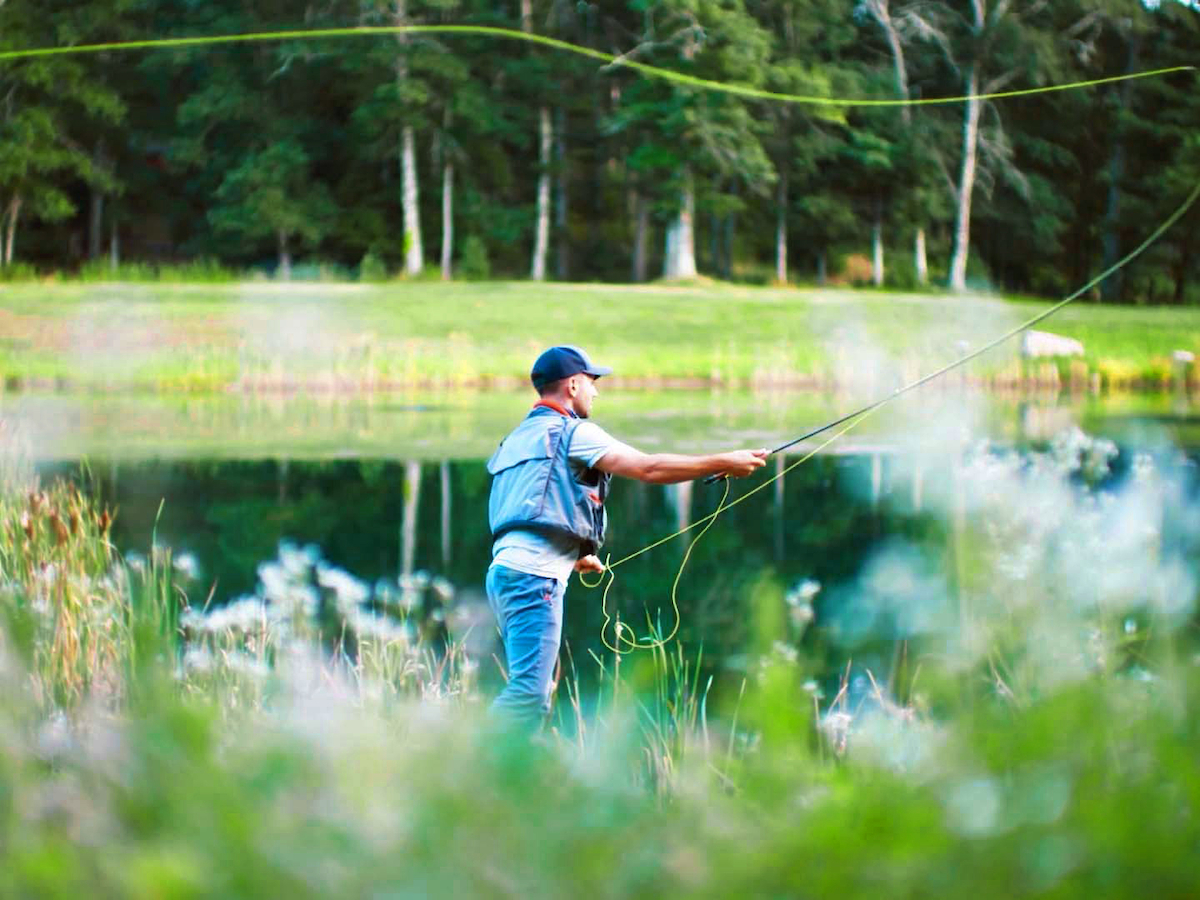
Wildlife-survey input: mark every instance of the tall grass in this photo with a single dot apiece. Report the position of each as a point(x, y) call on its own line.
point(324, 737)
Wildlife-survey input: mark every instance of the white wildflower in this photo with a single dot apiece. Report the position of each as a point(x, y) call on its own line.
point(198, 660)
point(349, 590)
point(188, 566)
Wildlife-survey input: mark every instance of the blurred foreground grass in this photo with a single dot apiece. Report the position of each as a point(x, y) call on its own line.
point(354, 337)
point(323, 737)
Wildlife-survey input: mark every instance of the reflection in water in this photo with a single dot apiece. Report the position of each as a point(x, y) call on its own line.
point(886, 521)
point(444, 478)
point(408, 527)
point(467, 425)
point(232, 516)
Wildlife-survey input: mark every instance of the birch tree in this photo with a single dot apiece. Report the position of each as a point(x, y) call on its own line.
point(688, 133)
point(988, 45)
point(414, 254)
point(545, 142)
point(806, 42)
point(881, 12)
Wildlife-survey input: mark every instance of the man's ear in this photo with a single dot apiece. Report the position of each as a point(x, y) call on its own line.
point(573, 385)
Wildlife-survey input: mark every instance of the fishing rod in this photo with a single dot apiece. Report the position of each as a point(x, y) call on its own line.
point(991, 345)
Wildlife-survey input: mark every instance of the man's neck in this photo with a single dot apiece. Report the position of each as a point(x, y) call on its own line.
point(558, 406)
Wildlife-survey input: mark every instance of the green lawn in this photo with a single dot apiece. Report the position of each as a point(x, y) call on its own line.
point(213, 337)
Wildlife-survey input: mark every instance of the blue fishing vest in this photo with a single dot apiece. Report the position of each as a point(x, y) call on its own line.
point(533, 486)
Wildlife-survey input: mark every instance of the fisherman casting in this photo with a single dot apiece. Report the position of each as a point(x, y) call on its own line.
point(550, 478)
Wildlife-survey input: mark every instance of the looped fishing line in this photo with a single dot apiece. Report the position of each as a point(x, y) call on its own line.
point(610, 60)
point(852, 420)
point(647, 643)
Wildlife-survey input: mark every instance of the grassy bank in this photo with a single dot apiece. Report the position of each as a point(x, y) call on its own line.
point(366, 337)
point(1036, 735)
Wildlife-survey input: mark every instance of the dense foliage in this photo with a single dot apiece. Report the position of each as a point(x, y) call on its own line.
point(358, 153)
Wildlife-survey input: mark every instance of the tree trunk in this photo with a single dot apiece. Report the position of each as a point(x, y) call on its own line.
point(10, 237)
point(640, 232)
point(781, 248)
point(966, 184)
point(414, 254)
point(877, 245)
point(541, 241)
point(96, 219)
point(114, 247)
point(285, 258)
point(680, 259)
point(879, 10)
point(920, 260)
point(562, 257)
point(447, 218)
point(96, 225)
point(821, 272)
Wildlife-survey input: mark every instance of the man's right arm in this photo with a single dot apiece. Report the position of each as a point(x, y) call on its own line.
point(672, 468)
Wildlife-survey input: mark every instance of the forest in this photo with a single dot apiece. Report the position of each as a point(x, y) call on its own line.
point(470, 155)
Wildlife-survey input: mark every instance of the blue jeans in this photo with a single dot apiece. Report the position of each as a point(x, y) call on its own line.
point(529, 610)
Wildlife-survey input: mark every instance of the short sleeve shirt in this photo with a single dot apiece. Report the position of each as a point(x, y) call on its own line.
point(549, 554)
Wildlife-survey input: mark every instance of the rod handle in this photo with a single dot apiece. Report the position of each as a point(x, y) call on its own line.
point(713, 479)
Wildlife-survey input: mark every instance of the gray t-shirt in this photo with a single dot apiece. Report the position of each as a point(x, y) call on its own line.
point(547, 554)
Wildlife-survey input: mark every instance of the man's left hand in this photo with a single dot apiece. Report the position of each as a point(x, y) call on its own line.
point(589, 563)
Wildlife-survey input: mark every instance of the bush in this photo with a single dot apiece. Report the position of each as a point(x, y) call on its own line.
point(203, 270)
point(753, 273)
point(474, 265)
point(372, 268)
point(18, 271)
point(320, 271)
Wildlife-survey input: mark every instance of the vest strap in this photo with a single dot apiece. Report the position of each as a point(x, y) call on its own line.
point(550, 404)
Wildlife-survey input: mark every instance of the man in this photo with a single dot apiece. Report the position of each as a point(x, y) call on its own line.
point(550, 479)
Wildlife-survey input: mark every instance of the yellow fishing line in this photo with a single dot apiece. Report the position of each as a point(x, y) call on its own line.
point(556, 44)
point(722, 507)
point(648, 643)
point(707, 522)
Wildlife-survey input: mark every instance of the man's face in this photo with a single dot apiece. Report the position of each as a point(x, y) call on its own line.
point(583, 391)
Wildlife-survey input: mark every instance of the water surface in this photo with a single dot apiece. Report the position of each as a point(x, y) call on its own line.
point(385, 486)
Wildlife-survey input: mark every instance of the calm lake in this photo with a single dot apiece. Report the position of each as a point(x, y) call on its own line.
point(389, 485)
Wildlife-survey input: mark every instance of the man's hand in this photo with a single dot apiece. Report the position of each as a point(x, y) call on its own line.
point(589, 563)
point(741, 463)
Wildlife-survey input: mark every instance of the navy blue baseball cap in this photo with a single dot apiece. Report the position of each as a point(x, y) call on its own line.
point(562, 362)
